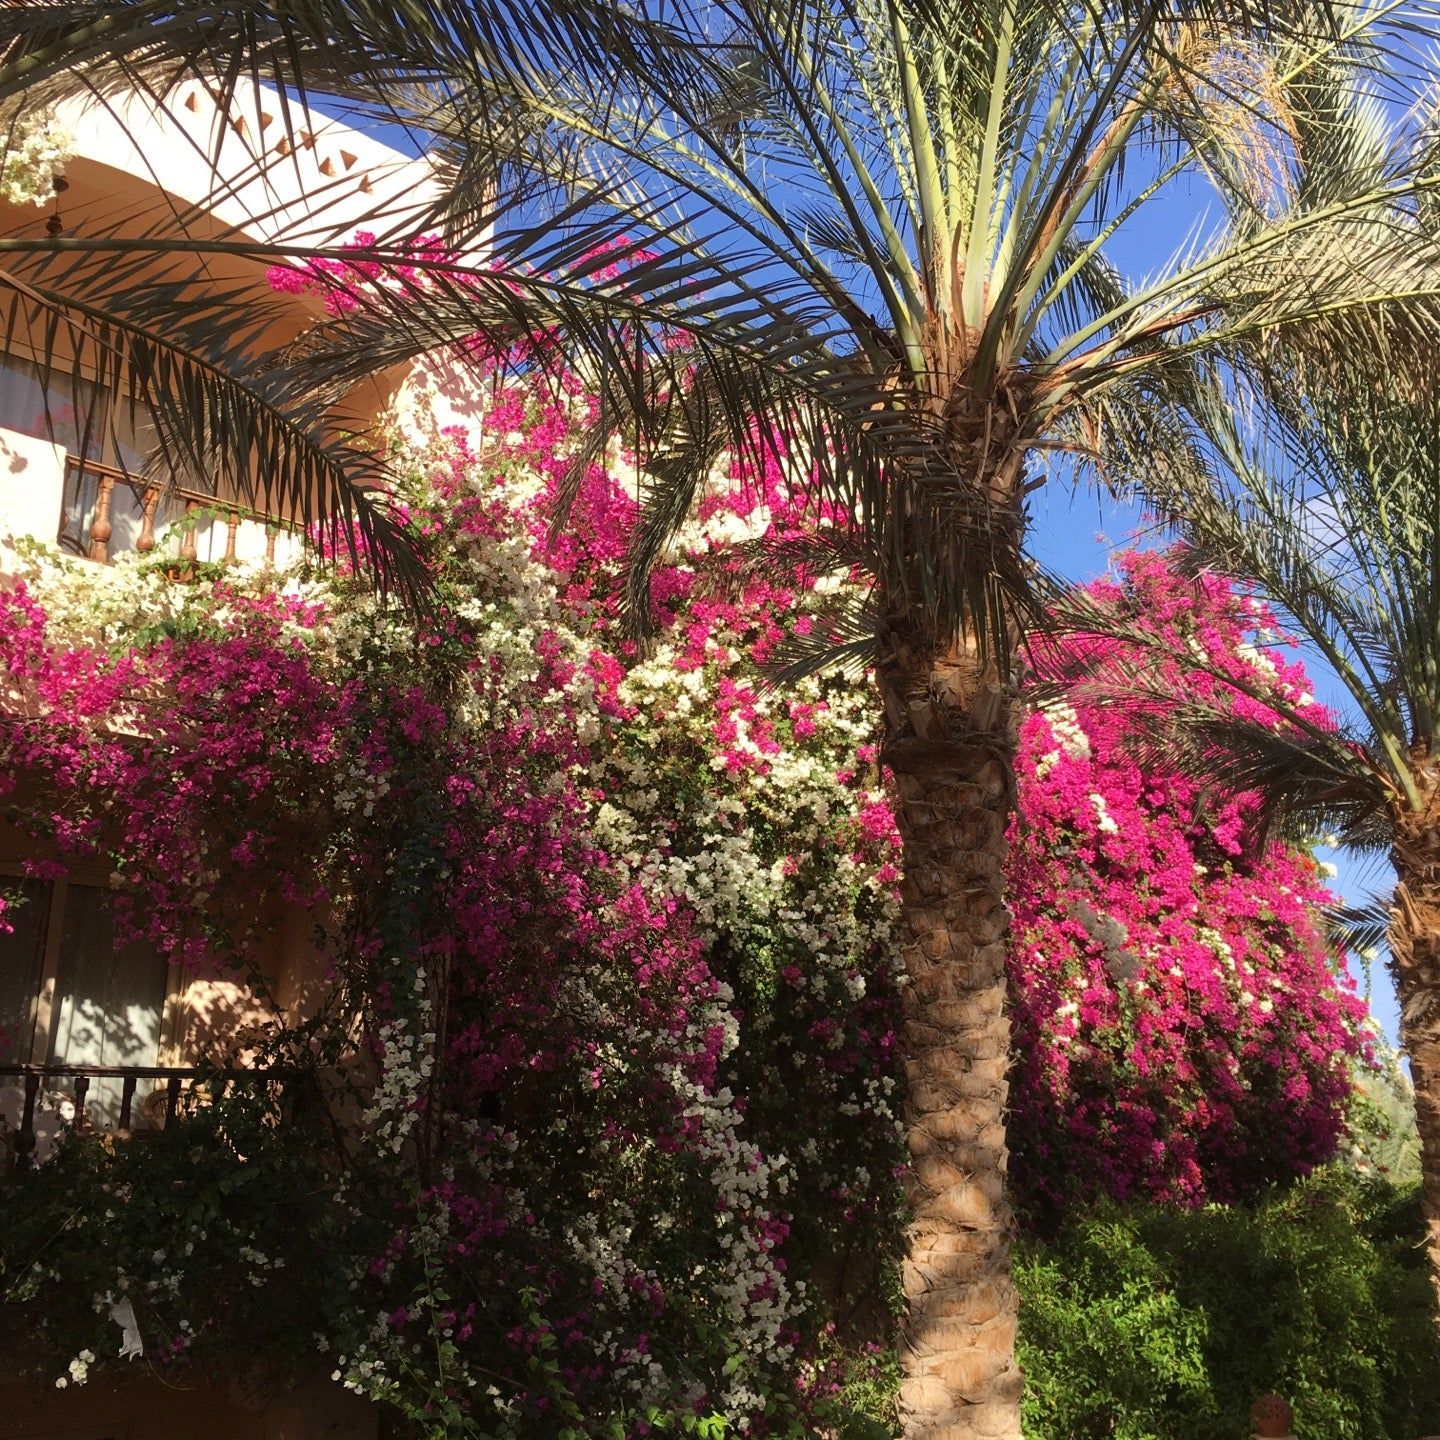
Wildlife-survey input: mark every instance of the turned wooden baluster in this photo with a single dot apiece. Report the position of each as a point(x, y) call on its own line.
point(232, 528)
point(272, 533)
point(151, 498)
point(127, 1100)
point(172, 1099)
point(100, 526)
point(82, 1089)
point(189, 551)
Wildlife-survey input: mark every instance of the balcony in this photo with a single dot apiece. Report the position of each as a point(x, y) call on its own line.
point(39, 1102)
point(104, 511)
point(70, 463)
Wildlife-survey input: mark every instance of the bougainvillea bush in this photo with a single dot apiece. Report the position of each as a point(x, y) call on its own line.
point(612, 934)
point(1181, 1031)
point(603, 1092)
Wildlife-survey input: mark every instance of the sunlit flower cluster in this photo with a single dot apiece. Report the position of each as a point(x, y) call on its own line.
point(35, 151)
point(1182, 1030)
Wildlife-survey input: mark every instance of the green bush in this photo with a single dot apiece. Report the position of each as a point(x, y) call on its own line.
point(1156, 1324)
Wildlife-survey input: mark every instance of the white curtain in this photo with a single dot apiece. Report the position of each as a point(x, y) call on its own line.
point(70, 414)
point(108, 1001)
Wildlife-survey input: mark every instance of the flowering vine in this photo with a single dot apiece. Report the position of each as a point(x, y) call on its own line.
point(609, 988)
point(1182, 1031)
point(35, 151)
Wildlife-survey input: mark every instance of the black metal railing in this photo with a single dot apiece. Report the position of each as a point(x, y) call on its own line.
point(174, 1085)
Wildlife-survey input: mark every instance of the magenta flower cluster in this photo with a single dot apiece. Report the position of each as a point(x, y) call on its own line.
point(1182, 1031)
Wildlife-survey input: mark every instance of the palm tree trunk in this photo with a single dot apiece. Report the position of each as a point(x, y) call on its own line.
point(1415, 956)
point(949, 745)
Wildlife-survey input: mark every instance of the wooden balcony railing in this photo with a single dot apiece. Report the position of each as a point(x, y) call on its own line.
point(96, 543)
point(160, 1107)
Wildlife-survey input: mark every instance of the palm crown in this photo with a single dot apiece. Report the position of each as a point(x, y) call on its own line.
point(1336, 519)
point(933, 195)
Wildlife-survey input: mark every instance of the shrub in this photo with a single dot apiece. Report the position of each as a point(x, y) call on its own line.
point(1158, 1324)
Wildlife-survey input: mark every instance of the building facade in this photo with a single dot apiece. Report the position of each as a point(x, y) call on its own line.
point(110, 1036)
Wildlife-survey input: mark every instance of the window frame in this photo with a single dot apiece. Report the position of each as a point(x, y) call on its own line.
point(41, 1016)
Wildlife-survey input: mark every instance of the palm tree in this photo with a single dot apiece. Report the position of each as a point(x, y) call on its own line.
point(1338, 523)
point(934, 194)
point(893, 232)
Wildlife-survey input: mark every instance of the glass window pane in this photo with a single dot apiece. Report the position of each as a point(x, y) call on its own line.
point(22, 962)
point(71, 414)
point(108, 1001)
point(135, 436)
point(133, 433)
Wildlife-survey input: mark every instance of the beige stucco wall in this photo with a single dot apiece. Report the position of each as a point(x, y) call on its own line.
point(32, 477)
point(240, 166)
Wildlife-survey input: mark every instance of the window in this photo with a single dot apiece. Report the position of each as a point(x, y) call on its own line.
point(70, 413)
point(92, 424)
point(69, 995)
point(81, 416)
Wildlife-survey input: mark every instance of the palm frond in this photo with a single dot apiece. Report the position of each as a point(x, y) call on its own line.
point(843, 640)
point(1360, 929)
point(222, 415)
